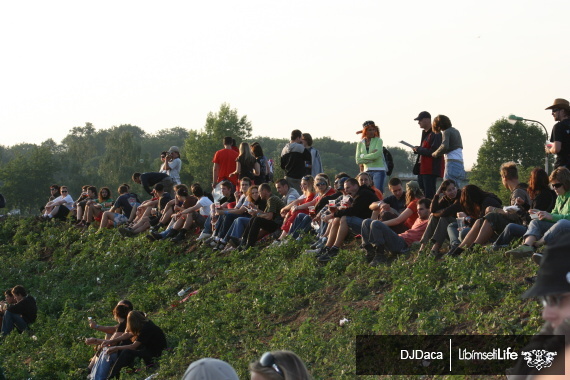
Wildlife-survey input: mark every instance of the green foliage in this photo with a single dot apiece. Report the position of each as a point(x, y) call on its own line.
point(520, 142)
point(247, 302)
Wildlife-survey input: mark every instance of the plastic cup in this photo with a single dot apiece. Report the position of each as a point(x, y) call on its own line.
point(460, 224)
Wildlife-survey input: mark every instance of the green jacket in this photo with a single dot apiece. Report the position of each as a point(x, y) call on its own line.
point(373, 160)
point(561, 207)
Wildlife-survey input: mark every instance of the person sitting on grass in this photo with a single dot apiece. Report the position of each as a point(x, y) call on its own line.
point(171, 208)
point(145, 217)
point(148, 343)
point(79, 205)
point(54, 193)
point(8, 300)
point(20, 315)
point(279, 365)
point(226, 202)
point(377, 237)
point(288, 193)
point(96, 208)
point(121, 210)
point(60, 207)
point(364, 179)
point(549, 226)
point(406, 218)
point(298, 206)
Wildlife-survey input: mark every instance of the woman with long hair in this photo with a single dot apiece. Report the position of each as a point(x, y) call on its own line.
point(451, 148)
point(299, 206)
point(263, 175)
point(246, 165)
point(96, 208)
point(279, 365)
point(370, 154)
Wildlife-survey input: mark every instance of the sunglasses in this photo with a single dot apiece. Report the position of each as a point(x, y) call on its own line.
point(553, 300)
point(556, 185)
point(321, 184)
point(64, 191)
point(268, 360)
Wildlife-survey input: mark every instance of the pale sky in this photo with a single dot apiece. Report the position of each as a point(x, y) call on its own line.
point(320, 66)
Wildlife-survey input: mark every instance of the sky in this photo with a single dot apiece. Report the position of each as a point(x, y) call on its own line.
point(320, 66)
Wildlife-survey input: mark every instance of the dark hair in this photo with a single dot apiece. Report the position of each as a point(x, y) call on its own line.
point(127, 303)
point(121, 311)
point(509, 170)
point(352, 181)
point(19, 290)
point(93, 189)
point(426, 202)
point(136, 176)
point(8, 293)
point(341, 175)
point(227, 184)
point(537, 183)
point(246, 179)
point(158, 187)
point(256, 149)
point(441, 123)
point(283, 182)
point(197, 190)
point(135, 322)
point(394, 181)
point(182, 192)
point(85, 187)
point(296, 134)
point(163, 154)
point(471, 200)
point(265, 187)
point(448, 182)
point(123, 189)
point(307, 137)
point(228, 140)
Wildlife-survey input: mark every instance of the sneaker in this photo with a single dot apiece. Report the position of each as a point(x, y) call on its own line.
point(328, 255)
point(455, 251)
point(208, 240)
point(520, 252)
point(370, 252)
point(537, 258)
point(155, 235)
point(317, 252)
point(203, 236)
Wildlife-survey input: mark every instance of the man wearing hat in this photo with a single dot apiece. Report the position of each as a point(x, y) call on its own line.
point(560, 137)
point(430, 167)
point(173, 164)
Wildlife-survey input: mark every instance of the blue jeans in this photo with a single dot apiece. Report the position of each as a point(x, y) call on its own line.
point(354, 224)
point(427, 184)
point(12, 320)
point(511, 232)
point(103, 366)
point(302, 223)
point(456, 236)
point(237, 228)
point(208, 225)
point(550, 232)
point(454, 170)
point(378, 177)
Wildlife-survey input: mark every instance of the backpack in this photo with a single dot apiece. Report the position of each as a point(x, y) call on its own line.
point(388, 160)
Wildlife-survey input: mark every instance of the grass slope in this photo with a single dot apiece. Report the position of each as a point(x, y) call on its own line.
point(247, 303)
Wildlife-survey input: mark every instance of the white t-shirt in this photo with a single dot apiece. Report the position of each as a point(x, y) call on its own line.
point(174, 171)
point(68, 201)
point(205, 204)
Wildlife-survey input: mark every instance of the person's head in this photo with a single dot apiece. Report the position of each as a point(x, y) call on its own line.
point(210, 369)
point(264, 191)
point(253, 193)
point(341, 175)
point(296, 136)
point(509, 172)
point(135, 322)
point(197, 190)
point(228, 140)
point(441, 123)
point(471, 200)
point(92, 192)
point(163, 155)
point(339, 184)
point(560, 109)
point(424, 208)
point(136, 177)
point(413, 191)
point(244, 184)
point(9, 296)
point(537, 182)
point(560, 180)
point(54, 190)
point(370, 130)
point(552, 284)
point(364, 179)
point(321, 183)
point(84, 188)
point(174, 152)
point(279, 365)
point(123, 189)
point(158, 189)
point(307, 140)
point(307, 184)
point(104, 194)
point(424, 120)
point(351, 186)
point(126, 303)
point(19, 292)
point(395, 187)
point(64, 191)
point(256, 149)
point(282, 186)
point(449, 188)
point(226, 188)
point(120, 312)
point(182, 193)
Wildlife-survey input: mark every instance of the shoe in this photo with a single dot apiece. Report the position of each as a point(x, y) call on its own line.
point(328, 255)
point(435, 254)
point(208, 240)
point(537, 258)
point(220, 246)
point(520, 252)
point(379, 257)
point(156, 228)
point(317, 252)
point(150, 236)
point(203, 236)
point(156, 235)
point(455, 251)
point(126, 232)
point(179, 237)
point(319, 243)
point(370, 252)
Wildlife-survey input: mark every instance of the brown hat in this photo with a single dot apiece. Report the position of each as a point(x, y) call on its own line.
point(559, 103)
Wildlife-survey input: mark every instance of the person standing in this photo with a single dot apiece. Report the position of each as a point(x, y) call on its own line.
point(173, 164)
point(430, 167)
point(294, 159)
point(370, 154)
point(560, 136)
point(316, 164)
point(224, 163)
point(451, 148)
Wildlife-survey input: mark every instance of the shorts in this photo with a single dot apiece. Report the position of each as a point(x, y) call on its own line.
point(119, 219)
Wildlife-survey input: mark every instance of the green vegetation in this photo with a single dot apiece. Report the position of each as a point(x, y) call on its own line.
point(247, 303)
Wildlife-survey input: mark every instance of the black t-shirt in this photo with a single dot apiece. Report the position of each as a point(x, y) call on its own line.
point(397, 204)
point(121, 328)
point(126, 202)
point(561, 132)
point(26, 308)
point(163, 201)
point(152, 338)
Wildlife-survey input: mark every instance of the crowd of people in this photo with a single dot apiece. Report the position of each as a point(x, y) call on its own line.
point(245, 204)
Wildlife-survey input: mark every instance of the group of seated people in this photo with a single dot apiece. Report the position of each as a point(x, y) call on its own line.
point(18, 310)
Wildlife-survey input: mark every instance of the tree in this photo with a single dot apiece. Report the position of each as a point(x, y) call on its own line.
point(122, 156)
point(200, 146)
point(520, 142)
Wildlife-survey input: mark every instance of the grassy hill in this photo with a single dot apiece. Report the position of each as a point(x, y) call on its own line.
point(247, 303)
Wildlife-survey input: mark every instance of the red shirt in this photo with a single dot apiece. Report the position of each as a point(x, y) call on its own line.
point(413, 206)
point(226, 159)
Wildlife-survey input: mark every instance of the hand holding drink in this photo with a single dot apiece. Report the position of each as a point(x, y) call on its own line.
point(332, 206)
